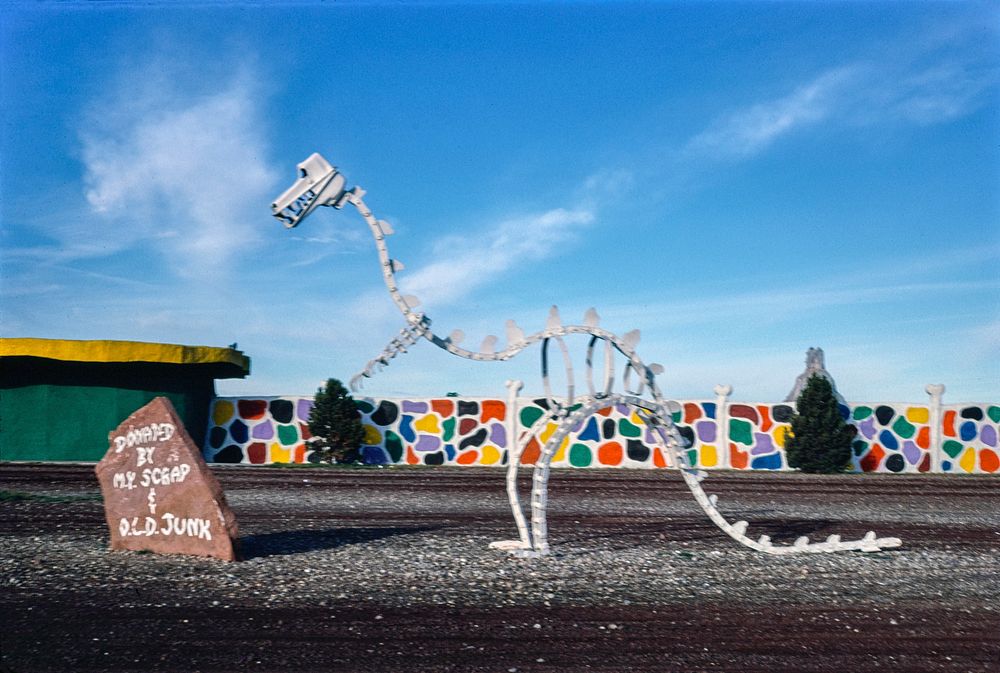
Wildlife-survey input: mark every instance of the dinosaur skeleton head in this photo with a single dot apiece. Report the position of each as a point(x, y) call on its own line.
point(319, 184)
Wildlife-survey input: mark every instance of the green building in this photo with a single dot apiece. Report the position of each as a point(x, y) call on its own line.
point(59, 399)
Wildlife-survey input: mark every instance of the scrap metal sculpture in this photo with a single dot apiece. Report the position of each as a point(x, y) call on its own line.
point(320, 184)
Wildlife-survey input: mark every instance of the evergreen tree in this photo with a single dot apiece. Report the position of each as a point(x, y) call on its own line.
point(820, 440)
point(335, 424)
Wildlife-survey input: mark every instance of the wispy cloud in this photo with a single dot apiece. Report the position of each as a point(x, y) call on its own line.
point(919, 88)
point(934, 94)
point(749, 131)
point(917, 276)
point(184, 170)
point(482, 256)
point(984, 339)
point(780, 304)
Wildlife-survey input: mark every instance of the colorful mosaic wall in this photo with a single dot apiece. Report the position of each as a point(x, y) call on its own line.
point(892, 438)
point(757, 434)
point(462, 431)
point(257, 431)
point(969, 437)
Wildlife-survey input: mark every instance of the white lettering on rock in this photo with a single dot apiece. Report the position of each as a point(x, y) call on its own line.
point(169, 525)
point(162, 476)
point(127, 528)
point(123, 480)
point(154, 432)
point(193, 527)
point(145, 455)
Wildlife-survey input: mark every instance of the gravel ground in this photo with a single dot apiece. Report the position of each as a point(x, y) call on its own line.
point(389, 570)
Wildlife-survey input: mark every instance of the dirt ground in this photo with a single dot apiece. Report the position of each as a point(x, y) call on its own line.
point(389, 570)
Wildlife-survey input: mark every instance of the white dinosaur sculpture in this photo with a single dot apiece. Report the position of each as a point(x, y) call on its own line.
point(320, 184)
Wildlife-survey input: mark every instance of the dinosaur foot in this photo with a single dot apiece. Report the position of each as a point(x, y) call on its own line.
point(516, 548)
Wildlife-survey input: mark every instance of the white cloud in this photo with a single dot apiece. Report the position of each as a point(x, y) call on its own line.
point(183, 170)
point(773, 305)
point(937, 93)
point(468, 262)
point(606, 184)
point(984, 340)
point(915, 88)
point(747, 132)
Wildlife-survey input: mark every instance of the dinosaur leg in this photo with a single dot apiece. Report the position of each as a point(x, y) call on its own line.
point(540, 477)
point(516, 447)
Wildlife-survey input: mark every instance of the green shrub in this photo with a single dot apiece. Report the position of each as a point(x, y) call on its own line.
point(335, 424)
point(821, 440)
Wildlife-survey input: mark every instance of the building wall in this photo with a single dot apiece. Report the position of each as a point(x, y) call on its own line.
point(63, 422)
point(60, 398)
point(465, 431)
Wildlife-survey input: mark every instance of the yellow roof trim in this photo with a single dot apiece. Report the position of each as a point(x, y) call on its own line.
point(122, 351)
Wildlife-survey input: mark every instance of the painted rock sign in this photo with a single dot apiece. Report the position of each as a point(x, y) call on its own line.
point(159, 494)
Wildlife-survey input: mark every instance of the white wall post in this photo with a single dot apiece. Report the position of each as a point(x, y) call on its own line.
point(722, 393)
point(935, 390)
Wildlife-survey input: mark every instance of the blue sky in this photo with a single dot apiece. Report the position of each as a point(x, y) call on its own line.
point(739, 181)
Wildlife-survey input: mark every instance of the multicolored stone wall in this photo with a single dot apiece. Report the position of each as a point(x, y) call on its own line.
point(463, 431)
point(892, 438)
point(259, 430)
point(757, 434)
point(969, 436)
